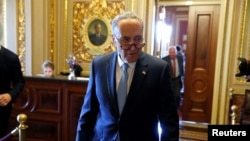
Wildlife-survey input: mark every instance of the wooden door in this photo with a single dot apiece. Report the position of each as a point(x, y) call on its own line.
point(200, 63)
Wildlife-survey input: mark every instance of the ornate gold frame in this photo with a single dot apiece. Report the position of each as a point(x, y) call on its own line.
point(86, 12)
point(94, 49)
point(21, 33)
point(243, 26)
point(244, 50)
point(90, 30)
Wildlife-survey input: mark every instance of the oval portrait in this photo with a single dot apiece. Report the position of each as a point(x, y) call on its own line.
point(97, 32)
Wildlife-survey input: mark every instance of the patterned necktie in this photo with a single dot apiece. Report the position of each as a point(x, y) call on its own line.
point(122, 88)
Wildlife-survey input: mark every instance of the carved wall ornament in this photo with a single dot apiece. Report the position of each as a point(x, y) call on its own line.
point(21, 33)
point(86, 15)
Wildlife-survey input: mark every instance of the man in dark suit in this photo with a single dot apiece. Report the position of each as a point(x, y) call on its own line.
point(11, 85)
point(176, 70)
point(149, 97)
point(97, 38)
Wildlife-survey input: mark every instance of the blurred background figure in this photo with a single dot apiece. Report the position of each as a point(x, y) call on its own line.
point(11, 85)
point(176, 70)
point(48, 68)
point(182, 54)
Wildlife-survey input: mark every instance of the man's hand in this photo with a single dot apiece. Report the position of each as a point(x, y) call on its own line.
point(4, 99)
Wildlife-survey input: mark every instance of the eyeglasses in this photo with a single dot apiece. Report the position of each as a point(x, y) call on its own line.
point(125, 42)
point(128, 46)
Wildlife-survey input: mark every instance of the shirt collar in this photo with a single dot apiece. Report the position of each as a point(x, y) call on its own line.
point(120, 62)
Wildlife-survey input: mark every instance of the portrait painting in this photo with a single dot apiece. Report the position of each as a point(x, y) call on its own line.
point(97, 32)
point(87, 20)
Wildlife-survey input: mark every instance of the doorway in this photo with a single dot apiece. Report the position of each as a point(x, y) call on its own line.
point(195, 28)
point(172, 31)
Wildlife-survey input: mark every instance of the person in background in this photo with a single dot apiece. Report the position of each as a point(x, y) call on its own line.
point(176, 70)
point(48, 68)
point(97, 38)
point(149, 99)
point(181, 53)
point(11, 85)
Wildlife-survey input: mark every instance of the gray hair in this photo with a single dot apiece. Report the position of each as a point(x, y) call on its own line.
point(122, 16)
point(172, 48)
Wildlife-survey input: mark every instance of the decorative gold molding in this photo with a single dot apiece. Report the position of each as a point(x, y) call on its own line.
point(52, 23)
point(65, 41)
point(243, 24)
point(129, 5)
point(84, 13)
point(21, 33)
point(243, 48)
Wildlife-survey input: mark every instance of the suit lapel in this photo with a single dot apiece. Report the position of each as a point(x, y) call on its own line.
point(140, 72)
point(111, 81)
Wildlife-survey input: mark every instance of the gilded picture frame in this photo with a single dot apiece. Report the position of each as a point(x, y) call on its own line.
point(85, 15)
point(97, 32)
point(92, 47)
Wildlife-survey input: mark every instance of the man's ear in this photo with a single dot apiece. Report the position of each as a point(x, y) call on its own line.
point(114, 39)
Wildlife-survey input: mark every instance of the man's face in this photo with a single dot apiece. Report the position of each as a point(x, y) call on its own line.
point(128, 43)
point(172, 53)
point(98, 28)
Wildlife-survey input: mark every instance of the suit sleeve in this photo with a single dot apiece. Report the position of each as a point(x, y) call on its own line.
point(89, 111)
point(17, 77)
point(168, 115)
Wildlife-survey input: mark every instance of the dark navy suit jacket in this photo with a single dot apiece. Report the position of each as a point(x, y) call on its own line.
point(11, 81)
point(11, 77)
point(180, 63)
point(150, 99)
